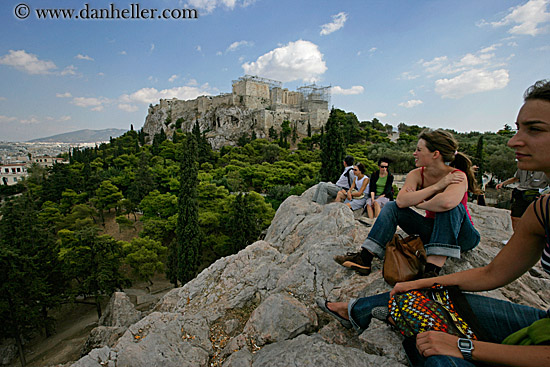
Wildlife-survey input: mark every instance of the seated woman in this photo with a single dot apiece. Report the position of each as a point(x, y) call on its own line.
point(355, 197)
point(529, 243)
point(380, 189)
point(439, 185)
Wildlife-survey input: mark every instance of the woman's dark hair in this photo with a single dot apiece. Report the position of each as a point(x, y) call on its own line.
point(384, 159)
point(361, 167)
point(444, 142)
point(539, 90)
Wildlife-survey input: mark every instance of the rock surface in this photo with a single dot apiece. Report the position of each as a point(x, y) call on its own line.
point(257, 307)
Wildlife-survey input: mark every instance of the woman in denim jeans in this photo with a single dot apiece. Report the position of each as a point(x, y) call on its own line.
point(529, 243)
point(439, 185)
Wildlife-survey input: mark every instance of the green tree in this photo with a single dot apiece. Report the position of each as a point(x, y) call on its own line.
point(144, 257)
point(272, 133)
point(31, 277)
point(94, 261)
point(479, 160)
point(107, 197)
point(332, 149)
point(242, 224)
point(187, 244)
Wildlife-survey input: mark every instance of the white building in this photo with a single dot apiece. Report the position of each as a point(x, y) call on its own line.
point(46, 161)
point(12, 173)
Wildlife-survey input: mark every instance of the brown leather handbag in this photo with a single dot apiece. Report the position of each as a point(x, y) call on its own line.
point(404, 259)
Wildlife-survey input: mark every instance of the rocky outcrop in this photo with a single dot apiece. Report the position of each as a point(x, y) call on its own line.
point(118, 316)
point(257, 307)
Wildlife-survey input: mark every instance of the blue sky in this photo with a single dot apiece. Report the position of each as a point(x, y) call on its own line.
point(452, 64)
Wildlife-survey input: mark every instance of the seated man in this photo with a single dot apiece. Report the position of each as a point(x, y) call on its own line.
point(326, 189)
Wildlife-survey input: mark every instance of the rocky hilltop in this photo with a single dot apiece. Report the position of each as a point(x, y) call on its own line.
point(257, 307)
point(255, 105)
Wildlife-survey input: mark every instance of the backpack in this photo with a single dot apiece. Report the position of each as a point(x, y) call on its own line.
point(437, 308)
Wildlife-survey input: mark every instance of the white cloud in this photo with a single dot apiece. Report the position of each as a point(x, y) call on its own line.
point(122, 52)
point(527, 19)
point(173, 78)
point(30, 120)
point(128, 107)
point(152, 79)
point(152, 48)
point(356, 89)
point(95, 104)
point(152, 95)
point(65, 118)
point(412, 92)
point(412, 103)
point(472, 81)
point(69, 70)
point(209, 5)
point(380, 114)
point(198, 48)
point(6, 119)
point(338, 22)
point(83, 57)
point(300, 60)
point(63, 95)
point(28, 63)
point(100, 74)
point(490, 48)
point(407, 75)
point(238, 44)
point(3, 99)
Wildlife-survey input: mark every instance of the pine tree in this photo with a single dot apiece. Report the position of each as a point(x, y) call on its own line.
point(243, 227)
point(187, 228)
point(332, 149)
point(308, 130)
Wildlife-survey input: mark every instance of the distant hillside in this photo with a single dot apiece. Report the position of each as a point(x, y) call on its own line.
point(81, 136)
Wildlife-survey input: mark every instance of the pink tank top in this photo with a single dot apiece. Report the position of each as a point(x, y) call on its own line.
point(464, 201)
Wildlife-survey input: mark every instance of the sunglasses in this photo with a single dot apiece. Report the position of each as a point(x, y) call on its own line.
point(384, 166)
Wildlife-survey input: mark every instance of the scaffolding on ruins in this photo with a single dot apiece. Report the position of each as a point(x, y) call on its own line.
point(315, 93)
point(272, 83)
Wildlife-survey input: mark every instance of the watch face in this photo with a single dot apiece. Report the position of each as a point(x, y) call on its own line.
point(465, 343)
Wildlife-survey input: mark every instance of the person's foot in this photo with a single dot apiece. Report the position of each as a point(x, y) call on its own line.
point(323, 305)
point(354, 261)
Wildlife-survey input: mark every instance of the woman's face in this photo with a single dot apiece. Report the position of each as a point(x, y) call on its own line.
point(532, 140)
point(422, 155)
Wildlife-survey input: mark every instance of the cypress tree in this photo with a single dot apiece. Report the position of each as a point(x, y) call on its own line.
point(187, 227)
point(332, 149)
point(242, 223)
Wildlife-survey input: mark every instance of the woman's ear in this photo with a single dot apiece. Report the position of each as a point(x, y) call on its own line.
point(436, 154)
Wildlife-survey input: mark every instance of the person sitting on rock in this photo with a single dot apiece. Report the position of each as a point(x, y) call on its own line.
point(326, 189)
point(528, 191)
point(513, 328)
point(439, 186)
point(380, 189)
point(355, 197)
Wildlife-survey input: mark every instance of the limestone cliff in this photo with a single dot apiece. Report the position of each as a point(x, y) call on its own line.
point(256, 104)
point(257, 307)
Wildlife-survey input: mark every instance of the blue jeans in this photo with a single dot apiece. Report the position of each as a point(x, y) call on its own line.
point(449, 234)
point(498, 318)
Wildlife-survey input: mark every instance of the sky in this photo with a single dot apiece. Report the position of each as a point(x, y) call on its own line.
point(462, 65)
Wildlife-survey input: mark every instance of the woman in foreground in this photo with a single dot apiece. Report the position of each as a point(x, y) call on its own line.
point(529, 244)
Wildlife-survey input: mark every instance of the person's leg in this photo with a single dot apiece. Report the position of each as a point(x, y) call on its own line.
point(370, 212)
point(376, 209)
point(359, 311)
point(341, 196)
point(500, 318)
point(324, 190)
point(452, 234)
point(386, 224)
point(446, 361)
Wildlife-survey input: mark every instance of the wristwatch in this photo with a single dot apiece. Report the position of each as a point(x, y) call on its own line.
point(466, 347)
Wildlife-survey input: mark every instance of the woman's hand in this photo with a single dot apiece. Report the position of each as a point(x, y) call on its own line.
point(433, 343)
point(403, 287)
point(449, 179)
point(349, 195)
